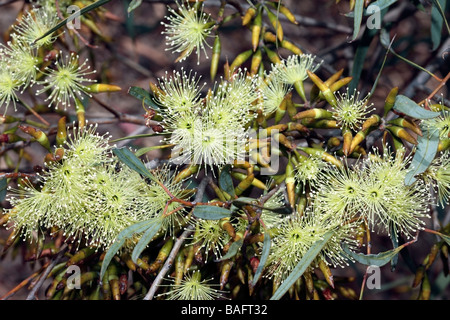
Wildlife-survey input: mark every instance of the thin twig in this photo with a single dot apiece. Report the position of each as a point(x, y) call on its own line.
point(32, 294)
point(15, 175)
point(369, 251)
point(23, 283)
point(176, 247)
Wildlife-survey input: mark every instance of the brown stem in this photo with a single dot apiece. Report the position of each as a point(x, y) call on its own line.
point(24, 283)
point(32, 294)
point(431, 95)
point(15, 175)
point(176, 247)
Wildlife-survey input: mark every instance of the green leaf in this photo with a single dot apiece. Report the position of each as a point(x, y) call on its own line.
point(282, 210)
point(379, 259)
point(381, 4)
point(360, 57)
point(445, 237)
point(144, 96)
point(384, 39)
point(120, 240)
point(241, 202)
point(3, 188)
point(130, 159)
point(394, 239)
point(358, 12)
point(133, 5)
point(88, 8)
point(148, 235)
point(233, 250)
point(264, 255)
point(138, 136)
point(211, 212)
point(361, 54)
point(115, 247)
point(437, 21)
point(144, 150)
point(225, 180)
point(405, 105)
point(425, 152)
point(374, 86)
point(301, 267)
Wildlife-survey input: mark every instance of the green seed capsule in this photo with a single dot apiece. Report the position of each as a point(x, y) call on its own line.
point(281, 110)
point(402, 122)
point(291, 47)
point(80, 256)
point(179, 267)
point(256, 30)
point(358, 138)
point(162, 255)
point(79, 107)
point(275, 23)
point(225, 272)
point(273, 56)
point(290, 183)
point(325, 90)
point(40, 136)
point(284, 11)
point(248, 16)
point(256, 62)
point(215, 57)
point(322, 154)
point(240, 59)
point(61, 135)
point(390, 100)
point(401, 133)
point(347, 141)
point(102, 87)
point(315, 113)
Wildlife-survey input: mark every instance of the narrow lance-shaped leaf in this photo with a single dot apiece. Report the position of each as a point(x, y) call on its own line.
point(437, 21)
point(301, 267)
point(264, 255)
point(225, 180)
point(241, 202)
point(233, 250)
point(138, 136)
point(120, 240)
point(133, 5)
point(146, 238)
point(144, 96)
point(358, 11)
point(385, 41)
point(425, 152)
point(394, 239)
point(379, 259)
point(88, 8)
point(374, 86)
point(144, 150)
point(3, 188)
point(405, 105)
point(361, 54)
point(444, 237)
point(211, 212)
point(380, 4)
point(130, 159)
